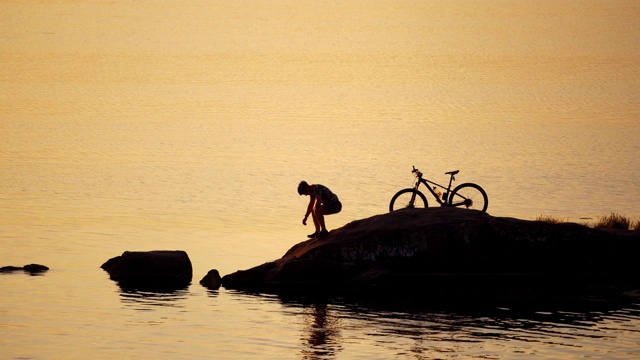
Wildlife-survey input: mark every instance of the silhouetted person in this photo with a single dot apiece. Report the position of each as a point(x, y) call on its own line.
point(321, 202)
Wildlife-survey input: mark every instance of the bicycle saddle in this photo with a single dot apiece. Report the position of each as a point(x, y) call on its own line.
point(452, 172)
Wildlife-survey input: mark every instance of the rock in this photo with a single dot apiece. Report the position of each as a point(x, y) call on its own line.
point(33, 269)
point(211, 280)
point(159, 268)
point(250, 278)
point(6, 269)
point(109, 264)
point(412, 246)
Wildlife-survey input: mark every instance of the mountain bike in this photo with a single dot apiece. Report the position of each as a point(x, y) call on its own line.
point(468, 195)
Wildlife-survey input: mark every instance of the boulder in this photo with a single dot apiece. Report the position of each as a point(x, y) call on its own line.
point(412, 246)
point(211, 280)
point(35, 268)
point(158, 268)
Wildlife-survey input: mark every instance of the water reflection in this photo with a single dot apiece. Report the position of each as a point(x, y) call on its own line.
point(322, 338)
point(213, 293)
point(577, 323)
point(147, 298)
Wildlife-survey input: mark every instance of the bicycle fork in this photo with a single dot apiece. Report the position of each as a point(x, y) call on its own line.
point(414, 193)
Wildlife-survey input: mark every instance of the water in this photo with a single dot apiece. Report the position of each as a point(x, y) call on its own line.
point(187, 125)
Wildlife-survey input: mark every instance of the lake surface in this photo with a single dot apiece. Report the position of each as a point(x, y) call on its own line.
point(188, 124)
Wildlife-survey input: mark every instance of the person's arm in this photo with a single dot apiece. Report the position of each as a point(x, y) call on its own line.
point(312, 201)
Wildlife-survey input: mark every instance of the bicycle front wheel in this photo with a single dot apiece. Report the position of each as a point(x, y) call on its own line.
point(402, 200)
point(470, 196)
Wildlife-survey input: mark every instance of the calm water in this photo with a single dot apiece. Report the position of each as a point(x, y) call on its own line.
point(188, 124)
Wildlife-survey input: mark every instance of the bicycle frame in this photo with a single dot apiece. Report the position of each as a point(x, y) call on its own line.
point(426, 182)
point(444, 200)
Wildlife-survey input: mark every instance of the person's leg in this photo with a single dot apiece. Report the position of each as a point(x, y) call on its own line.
point(318, 218)
point(332, 208)
point(314, 216)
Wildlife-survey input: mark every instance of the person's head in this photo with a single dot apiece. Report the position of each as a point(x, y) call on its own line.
point(302, 187)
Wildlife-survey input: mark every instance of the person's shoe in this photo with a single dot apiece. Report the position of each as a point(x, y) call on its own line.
point(311, 236)
point(323, 233)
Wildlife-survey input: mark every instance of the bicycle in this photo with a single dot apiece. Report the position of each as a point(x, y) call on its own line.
point(469, 195)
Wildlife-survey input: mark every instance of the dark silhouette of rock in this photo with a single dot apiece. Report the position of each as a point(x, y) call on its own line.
point(109, 264)
point(212, 280)
point(33, 269)
point(158, 269)
point(435, 245)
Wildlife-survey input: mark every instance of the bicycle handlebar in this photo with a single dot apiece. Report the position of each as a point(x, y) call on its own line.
point(416, 171)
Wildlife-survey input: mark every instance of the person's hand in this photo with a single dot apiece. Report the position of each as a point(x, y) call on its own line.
point(304, 221)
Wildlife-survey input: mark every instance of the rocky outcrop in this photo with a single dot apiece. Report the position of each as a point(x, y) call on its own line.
point(418, 246)
point(32, 269)
point(159, 268)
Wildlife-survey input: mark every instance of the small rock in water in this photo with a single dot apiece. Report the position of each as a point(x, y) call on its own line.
point(35, 268)
point(211, 280)
point(5, 269)
point(31, 268)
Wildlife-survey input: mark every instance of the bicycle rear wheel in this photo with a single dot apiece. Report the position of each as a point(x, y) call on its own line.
point(402, 200)
point(470, 196)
